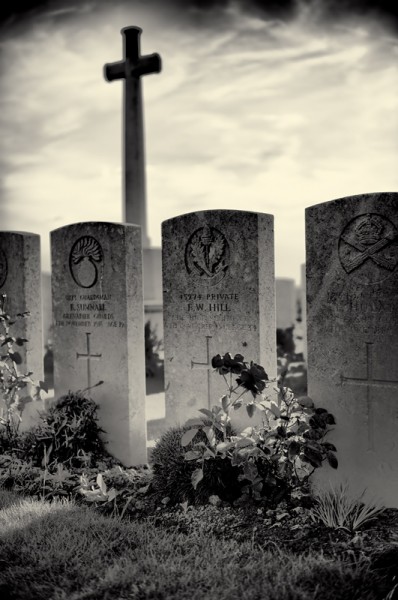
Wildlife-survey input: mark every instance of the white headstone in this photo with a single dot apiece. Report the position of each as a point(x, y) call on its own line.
point(20, 281)
point(352, 316)
point(219, 296)
point(99, 327)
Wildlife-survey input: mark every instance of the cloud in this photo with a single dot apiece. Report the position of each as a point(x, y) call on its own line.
point(209, 13)
point(259, 114)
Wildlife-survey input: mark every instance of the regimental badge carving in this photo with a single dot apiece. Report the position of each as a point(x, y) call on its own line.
point(368, 246)
point(84, 260)
point(207, 255)
point(3, 268)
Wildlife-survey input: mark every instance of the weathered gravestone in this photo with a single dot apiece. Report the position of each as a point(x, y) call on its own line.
point(218, 297)
point(99, 328)
point(352, 316)
point(20, 282)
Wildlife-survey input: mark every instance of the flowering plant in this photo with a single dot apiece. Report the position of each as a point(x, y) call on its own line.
point(273, 458)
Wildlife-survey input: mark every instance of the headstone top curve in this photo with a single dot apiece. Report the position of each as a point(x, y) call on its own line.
point(23, 233)
point(355, 198)
point(96, 223)
point(220, 211)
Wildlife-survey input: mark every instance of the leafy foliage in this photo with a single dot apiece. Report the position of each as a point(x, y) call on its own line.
point(24, 478)
point(16, 389)
point(97, 493)
point(64, 456)
point(118, 491)
point(172, 473)
point(112, 491)
point(272, 459)
point(68, 433)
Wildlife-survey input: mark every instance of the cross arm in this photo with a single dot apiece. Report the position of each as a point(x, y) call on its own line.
point(116, 70)
point(150, 63)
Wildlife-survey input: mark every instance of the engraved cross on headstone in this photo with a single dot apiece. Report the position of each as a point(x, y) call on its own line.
point(207, 366)
point(369, 382)
point(87, 357)
point(131, 70)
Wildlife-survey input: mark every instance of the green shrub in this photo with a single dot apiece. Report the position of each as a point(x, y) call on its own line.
point(67, 433)
point(63, 456)
point(172, 473)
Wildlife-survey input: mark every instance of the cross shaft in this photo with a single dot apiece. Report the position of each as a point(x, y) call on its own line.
point(131, 69)
point(207, 366)
point(87, 357)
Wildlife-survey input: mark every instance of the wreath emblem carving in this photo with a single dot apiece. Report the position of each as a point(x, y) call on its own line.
point(84, 260)
point(207, 255)
point(368, 244)
point(3, 268)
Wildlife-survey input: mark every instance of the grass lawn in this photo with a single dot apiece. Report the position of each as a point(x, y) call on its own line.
point(59, 551)
point(76, 525)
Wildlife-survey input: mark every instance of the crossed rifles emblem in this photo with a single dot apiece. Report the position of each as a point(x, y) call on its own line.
point(370, 250)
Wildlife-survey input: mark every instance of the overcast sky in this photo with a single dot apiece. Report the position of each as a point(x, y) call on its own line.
point(267, 111)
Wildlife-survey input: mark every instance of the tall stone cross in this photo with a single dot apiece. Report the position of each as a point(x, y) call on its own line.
point(131, 69)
